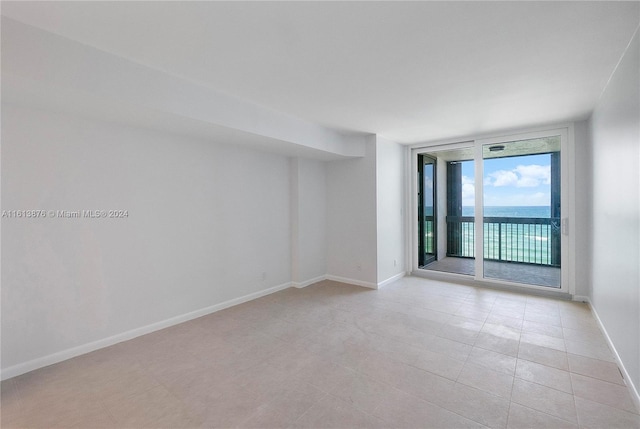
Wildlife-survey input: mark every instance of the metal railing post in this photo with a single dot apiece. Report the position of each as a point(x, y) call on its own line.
point(500, 241)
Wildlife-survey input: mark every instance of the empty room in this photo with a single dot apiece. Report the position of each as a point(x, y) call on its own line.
point(320, 214)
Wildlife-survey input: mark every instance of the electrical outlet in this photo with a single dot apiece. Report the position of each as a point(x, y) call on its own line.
point(264, 275)
point(395, 263)
point(359, 267)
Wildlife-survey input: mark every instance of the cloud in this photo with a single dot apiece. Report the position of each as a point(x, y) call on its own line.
point(535, 199)
point(533, 175)
point(523, 176)
point(503, 178)
point(428, 183)
point(467, 180)
point(468, 191)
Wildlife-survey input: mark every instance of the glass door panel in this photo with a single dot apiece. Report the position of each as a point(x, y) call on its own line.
point(521, 211)
point(447, 197)
point(427, 228)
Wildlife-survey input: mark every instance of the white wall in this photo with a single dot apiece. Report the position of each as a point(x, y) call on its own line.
point(615, 133)
point(582, 219)
point(205, 222)
point(351, 218)
point(390, 183)
point(55, 71)
point(309, 220)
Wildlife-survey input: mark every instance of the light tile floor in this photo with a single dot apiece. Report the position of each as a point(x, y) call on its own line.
point(415, 354)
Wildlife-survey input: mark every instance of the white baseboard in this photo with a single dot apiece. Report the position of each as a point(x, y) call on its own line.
point(352, 281)
point(627, 379)
point(60, 356)
point(391, 279)
point(582, 298)
point(309, 282)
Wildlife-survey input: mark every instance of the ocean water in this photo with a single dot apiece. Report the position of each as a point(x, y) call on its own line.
point(513, 241)
point(511, 211)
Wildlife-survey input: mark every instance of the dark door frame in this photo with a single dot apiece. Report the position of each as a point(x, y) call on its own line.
point(425, 258)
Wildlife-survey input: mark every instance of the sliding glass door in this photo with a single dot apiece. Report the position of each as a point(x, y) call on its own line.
point(492, 209)
point(522, 210)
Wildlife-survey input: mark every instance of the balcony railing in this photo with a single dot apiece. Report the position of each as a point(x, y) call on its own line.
point(510, 239)
point(428, 231)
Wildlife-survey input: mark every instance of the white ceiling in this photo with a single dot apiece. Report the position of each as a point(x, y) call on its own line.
point(408, 71)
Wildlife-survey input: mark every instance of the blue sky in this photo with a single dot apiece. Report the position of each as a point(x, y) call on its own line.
point(517, 181)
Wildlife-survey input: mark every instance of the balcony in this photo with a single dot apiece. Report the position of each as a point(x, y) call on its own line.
point(516, 249)
point(507, 239)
